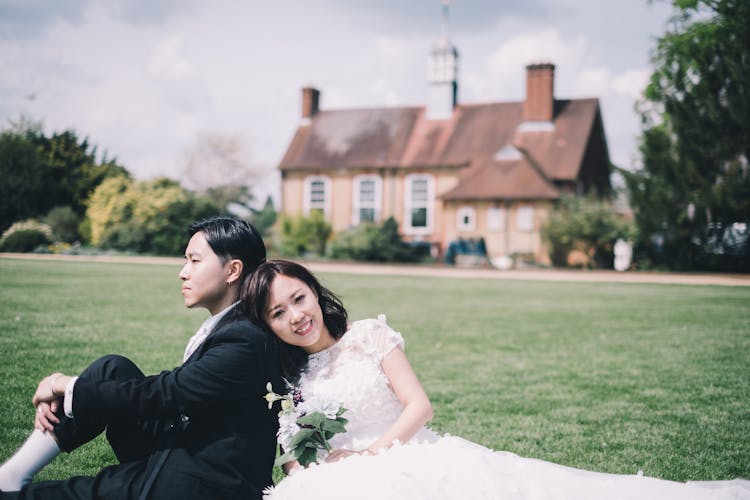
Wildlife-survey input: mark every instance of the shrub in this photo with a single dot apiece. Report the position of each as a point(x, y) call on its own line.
point(586, 226)
point(64, 223)
point(24, 240)
point(144, 216)
point(303, 235)
point(374, 243)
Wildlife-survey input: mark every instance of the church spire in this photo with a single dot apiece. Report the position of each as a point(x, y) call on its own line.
point(442, 72)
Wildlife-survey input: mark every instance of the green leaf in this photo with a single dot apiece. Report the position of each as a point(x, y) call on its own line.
point(301, 436)
point(286, 457)
point(307, 457)
point(333, 426)
point(314, 419)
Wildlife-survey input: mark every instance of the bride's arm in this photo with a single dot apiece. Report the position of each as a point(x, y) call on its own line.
point(417, 408)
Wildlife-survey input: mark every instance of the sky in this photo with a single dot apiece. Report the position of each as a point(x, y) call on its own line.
point(147, 81)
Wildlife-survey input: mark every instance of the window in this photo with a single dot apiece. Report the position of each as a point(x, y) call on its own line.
point(496, 218)
point(419, 201)
point(317, 195)
point(466, 218)
point(525, 218)
point(366, 199)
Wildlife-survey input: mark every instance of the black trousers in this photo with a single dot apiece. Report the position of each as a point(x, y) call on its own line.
point(132, 442)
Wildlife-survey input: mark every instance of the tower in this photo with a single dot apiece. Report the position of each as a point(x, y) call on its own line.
point(442, 73)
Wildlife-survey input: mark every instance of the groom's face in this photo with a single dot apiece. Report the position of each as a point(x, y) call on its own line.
point(204, 276)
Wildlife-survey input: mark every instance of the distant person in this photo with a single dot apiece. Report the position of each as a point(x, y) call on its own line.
point(362, 367)
point(200, 431)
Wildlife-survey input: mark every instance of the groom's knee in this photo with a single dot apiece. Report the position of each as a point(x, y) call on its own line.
point(112, 367)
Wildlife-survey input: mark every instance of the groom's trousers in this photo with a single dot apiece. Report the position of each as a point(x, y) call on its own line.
point(133, 442)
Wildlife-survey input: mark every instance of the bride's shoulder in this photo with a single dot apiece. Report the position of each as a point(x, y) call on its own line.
point(374, 334)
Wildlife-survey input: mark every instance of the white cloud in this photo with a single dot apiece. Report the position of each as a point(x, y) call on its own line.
point(631, 83)
point(167, 60)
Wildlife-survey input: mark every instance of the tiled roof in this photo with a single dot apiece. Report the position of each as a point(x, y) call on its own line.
point(477, 136)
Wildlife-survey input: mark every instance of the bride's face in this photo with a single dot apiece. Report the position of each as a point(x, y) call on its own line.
point(294, 315)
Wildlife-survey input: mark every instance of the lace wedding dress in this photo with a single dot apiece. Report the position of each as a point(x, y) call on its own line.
point(434, 467)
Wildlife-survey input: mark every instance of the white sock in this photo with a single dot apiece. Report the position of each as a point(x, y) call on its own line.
point(38, 450)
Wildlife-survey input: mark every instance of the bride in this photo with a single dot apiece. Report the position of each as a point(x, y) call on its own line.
point(386, 450)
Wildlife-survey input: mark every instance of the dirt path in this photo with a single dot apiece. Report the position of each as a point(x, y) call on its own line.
point(447, 272)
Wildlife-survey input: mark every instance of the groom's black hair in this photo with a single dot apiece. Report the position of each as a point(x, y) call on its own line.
point(254, 301)
point(232, 238)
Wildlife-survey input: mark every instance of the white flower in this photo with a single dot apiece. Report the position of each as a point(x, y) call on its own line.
point(328, 408)
point(287, 428)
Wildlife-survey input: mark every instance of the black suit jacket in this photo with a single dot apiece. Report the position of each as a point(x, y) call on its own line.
point(215, 424)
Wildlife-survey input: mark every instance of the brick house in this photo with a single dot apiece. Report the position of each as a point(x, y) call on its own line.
point(448, 171)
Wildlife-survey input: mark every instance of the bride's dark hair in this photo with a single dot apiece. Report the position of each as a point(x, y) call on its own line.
point(254, 301)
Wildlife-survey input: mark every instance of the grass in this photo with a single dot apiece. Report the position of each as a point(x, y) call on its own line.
point(607, 377)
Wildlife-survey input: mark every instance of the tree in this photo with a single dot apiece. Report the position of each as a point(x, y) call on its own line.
point(691, 196)
point(23, 179)
point(217, 167)
point(264, 218)
point(144, 216)
point(40, 172)
point(586, 224)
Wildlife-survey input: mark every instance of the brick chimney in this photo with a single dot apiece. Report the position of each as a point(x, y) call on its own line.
point(540, 96)
point(310, 102)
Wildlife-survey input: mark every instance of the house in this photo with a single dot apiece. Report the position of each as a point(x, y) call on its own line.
point(449, 171)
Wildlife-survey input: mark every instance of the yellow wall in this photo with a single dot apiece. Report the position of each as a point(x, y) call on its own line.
point(506, 241)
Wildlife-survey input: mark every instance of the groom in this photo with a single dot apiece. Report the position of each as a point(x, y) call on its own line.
point(199, 431)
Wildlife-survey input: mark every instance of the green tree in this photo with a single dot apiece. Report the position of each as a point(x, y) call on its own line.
point(691, 197)
point(264, 218)
point(303, 235)
point(587, 224)
point(23, 179)
point(144, 216)
point(40, 172)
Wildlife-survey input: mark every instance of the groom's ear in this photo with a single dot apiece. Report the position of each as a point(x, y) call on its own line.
point(234, 270)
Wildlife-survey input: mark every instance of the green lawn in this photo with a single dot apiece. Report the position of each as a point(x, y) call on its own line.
point(608, 377)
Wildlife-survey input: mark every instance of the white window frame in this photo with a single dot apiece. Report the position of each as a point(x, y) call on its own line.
point(307, 202)
point(466, 212)
point(357, 202)
point(496, 219)
point(525, 218)
point(409, 204)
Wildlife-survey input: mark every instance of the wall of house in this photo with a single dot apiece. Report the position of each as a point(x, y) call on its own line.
point(507, 238)
point(503, 240)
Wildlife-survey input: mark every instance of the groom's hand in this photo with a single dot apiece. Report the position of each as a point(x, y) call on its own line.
point(45, 417)
point(50, 388)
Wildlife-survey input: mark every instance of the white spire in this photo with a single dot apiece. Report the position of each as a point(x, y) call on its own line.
point(442, 73)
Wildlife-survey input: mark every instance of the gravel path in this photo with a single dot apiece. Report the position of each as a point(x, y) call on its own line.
point(447, 272)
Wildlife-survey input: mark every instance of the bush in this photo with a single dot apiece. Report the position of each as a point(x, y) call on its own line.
point(304, 235)
point(373, 243)
point(586, 226)
point(24, 240)
point(64, 223)
point(144, 216)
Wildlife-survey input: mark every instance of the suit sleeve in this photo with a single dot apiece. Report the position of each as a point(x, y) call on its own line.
point(232, 368)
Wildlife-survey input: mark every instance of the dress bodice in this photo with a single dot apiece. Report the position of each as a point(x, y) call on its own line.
point(349, 373)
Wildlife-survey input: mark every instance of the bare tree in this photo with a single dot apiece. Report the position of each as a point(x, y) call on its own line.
point(218, 166)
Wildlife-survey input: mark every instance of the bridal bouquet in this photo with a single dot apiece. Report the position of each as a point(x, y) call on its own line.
point(305, 426)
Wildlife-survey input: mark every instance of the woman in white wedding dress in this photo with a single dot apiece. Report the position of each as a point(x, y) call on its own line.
point(386, 451)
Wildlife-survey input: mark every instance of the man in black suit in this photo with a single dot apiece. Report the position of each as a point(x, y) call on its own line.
point(202, 430)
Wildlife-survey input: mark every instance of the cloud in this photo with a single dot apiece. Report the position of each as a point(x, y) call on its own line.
point(167, 60)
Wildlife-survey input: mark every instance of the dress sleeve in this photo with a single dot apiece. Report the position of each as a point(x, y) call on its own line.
point(376, 337)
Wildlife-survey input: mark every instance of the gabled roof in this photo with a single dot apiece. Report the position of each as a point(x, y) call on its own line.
point(472, 138)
